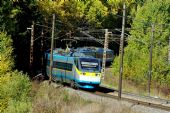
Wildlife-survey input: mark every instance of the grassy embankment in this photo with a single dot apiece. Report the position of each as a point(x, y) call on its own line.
point(50, 99)
point(130, 86)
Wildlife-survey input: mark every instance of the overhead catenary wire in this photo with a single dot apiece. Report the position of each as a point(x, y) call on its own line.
point(43, 26)
point(117, 15)
point(111, 39)
point(142, 21)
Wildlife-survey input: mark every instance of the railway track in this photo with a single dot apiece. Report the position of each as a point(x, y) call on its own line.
point(133, 98)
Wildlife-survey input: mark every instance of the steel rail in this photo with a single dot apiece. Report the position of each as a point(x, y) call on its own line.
point(165, 101)
point(138, 101)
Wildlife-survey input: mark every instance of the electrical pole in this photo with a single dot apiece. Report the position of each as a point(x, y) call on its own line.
point(52, 46)
point(31, 48)
point(150, 59)
point(121, 51)
point(104, 53)
point(169, 51)
point(42, 52)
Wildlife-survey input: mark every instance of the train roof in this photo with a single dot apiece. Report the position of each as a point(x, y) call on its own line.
point(79, 52)
point(92, 49)
point(70, 53)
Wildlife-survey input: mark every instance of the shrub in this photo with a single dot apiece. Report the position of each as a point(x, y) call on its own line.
point(6, 59)
point(14, 85)
point(14, 93)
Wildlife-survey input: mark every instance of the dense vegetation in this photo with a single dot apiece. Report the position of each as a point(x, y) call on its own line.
point(17, 15)
point(136, 57)
point(15, 86)
point(55, 99)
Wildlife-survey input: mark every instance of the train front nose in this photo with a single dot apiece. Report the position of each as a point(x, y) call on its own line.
point(89, 80)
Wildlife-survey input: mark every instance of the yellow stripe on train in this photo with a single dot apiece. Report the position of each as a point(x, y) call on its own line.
point(87, 73)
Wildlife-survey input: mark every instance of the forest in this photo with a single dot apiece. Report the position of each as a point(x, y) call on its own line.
point(144, 19)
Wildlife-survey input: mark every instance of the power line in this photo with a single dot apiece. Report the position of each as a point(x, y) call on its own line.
point(42, 25)
point(42, 35)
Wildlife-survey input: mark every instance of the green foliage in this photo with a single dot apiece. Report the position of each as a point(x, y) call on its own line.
point(14, 85)
point(74, 11)
point(6, 59)
point(14, 93)
point(96, 13)
point(19, 107)
point(8, 16)
point(136, 57)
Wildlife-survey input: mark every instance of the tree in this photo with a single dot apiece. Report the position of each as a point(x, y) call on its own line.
point(136, 57)
point(6, 50)
point(74, 12)
point(8, 16)
point(15, 86)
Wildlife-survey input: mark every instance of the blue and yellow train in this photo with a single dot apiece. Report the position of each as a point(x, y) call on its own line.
point(74, 68)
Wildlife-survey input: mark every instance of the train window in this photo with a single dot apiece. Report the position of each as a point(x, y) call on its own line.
point(62, 65)
point(48, 62)
point(69, 67)
point(89, 64)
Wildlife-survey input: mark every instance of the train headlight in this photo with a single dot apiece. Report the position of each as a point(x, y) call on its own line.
point(97, 74)
point(83, 73)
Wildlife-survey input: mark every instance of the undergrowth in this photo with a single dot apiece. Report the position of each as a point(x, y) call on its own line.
point(49, 99)
point(141, 88)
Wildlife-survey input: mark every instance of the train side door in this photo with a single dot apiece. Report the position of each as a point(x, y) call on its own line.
point(76, 65)
point(59, 68)
point(69, 70)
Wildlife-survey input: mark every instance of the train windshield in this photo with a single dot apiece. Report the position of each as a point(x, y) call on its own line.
point(88, 64)
point(109, 54)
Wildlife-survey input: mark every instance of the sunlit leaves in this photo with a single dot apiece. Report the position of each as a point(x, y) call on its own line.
point(136, 57)
point(96, 12)
point(14, 93)
point(73, 10)
point(6, 60)
point(14, 85)
point(14, 12)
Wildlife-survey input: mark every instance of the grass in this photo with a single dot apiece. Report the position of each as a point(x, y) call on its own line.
point(130, 86)
point(49, 99)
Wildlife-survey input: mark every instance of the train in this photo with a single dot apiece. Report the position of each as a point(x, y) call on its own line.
point(74, 68)
point(97, 52)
